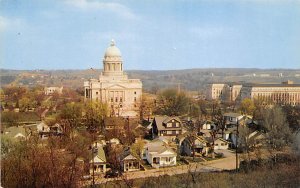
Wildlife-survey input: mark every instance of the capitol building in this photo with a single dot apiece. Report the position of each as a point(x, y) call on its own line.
point(121, 94)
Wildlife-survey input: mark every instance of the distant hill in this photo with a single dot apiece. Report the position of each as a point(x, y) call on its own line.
point(189, 79)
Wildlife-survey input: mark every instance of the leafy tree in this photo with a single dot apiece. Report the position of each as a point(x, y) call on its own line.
point(24, 103)
point(293, 116)
point(94, 114)
point(11, 118)
point(136, 148)
point(247, 106)
point(172, 103)
point(278, 131)
point(32, 164)
point(70, 117)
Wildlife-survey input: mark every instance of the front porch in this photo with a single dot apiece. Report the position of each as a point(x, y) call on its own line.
point(98, 169)
point(131, 165)
point(163, 161)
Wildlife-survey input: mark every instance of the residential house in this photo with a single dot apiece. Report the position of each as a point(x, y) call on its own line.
point(115, 123)
point(43, 127)
point(194, 145)
point(51, 90)
point(220, 143)
point(98, 161)
point(159, 154)
point(208, 125)
point(231, 119)
point(165, 126)
point(130, 163)
point(114, 141)
point(56, 129)
point(16, 133)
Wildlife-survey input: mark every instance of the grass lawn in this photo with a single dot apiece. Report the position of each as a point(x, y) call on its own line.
point(15, 117)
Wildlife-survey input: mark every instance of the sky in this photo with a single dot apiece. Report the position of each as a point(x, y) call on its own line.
point(151, 35)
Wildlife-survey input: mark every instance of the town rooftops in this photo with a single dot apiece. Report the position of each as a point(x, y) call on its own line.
point(163, 120)
point(129, 157)
point(232, 114)
point(99, 156)
point(15, 132)
point(157, 146)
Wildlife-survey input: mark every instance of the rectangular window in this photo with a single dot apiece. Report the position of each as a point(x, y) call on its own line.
point(135, 92)
point(134, 99)
point(111, 99)
point(116, 99)
point(121, 100)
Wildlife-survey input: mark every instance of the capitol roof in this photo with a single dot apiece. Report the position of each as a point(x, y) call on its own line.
point(112, 50)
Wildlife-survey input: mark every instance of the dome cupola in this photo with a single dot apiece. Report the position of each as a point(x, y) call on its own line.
point(112, 50)
point(112, 61)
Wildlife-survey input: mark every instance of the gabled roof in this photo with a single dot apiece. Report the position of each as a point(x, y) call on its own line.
point(232, 114)
point(129, 157)
point(191, 139)
point(15, 132)
point(158, 146)
point(100, 154)
point(160, 120)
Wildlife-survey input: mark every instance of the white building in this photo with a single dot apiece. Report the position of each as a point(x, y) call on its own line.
point(51, 90)
point(159, 154)
point(122, 95)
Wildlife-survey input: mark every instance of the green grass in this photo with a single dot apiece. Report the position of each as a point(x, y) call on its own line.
point(19, 116)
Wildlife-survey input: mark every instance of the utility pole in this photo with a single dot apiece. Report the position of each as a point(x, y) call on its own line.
point(93, 183)
point(236, 147)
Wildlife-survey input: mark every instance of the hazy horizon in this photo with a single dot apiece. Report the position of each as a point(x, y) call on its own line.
point(166, 35)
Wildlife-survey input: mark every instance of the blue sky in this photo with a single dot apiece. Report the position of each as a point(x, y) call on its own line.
point(155, 35)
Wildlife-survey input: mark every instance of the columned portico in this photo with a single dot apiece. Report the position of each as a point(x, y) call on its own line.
point(122, 95)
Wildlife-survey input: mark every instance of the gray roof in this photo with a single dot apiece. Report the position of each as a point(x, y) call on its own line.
point(232, 114)
point(11, 132)
point(160, 120)
point(129, 157)
point(270, 85)
point(100, 154)
point(158, 146)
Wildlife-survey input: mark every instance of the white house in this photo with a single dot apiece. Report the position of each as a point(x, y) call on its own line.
point(114, 141)
point(232, 118)
point(194, 145)
point(208, 125)
point(98, 161)
point(159, 154)
point(220, 143)
point(51, 90)
point(42, 127)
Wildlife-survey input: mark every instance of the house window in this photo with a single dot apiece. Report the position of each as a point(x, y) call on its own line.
point(222, 144)
point(216, 144)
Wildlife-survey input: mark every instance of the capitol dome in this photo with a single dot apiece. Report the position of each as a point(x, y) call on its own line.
point(112, 51)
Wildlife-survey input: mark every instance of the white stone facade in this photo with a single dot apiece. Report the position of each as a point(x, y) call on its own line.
point(284, 93)
point(122, 95)
point(51, 90)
